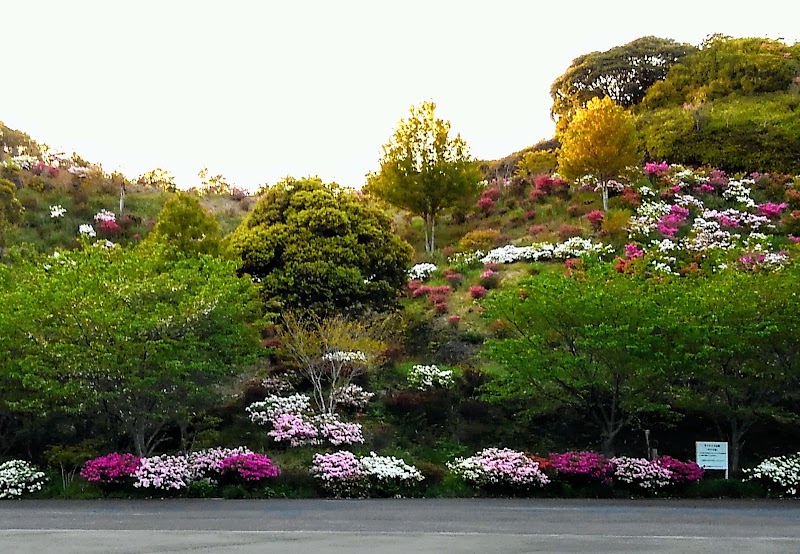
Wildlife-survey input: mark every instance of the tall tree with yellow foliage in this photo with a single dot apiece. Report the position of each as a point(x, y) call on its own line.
point(601, 141)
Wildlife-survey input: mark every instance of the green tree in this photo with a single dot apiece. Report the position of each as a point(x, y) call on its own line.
point(330, 352)
point(424, 170)
point(601, 141)
point(319, 248)
point(131, 334)
point(185, 225)
point(10, 206)
point(158, 178)
point(623, 73)
point(737, 362)
point(587, 343)
point(724, 66)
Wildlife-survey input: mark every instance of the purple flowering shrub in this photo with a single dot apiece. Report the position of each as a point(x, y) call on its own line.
point(112, 468)
point(500, 467)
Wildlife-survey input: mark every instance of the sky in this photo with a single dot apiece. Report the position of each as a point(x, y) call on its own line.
point(259, 90)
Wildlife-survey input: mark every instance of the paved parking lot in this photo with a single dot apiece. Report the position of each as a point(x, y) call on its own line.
point(408, 525)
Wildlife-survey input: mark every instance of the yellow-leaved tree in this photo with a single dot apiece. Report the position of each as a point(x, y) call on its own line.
point(601, 141)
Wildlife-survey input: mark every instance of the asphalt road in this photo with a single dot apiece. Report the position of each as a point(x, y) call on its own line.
point(401, 526)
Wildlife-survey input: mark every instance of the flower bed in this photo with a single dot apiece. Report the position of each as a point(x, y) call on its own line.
point(18, 477)
point(343, 474)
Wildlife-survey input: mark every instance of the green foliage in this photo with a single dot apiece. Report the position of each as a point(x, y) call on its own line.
point(10, 207)
point(140, 338)
point(601, 141)
point(424, 170)
point(538, 162)
point(737, 133)
point(623, 73)
point(724, 66)
point(158, 178)
point(587, 343)
point(184, 225)
point(320, 248)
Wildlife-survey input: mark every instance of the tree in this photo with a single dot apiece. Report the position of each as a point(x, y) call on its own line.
point(330, 352)
point(601, 141)
point(10, 206)
point(424, 170)
point(624, 74)
point(586, 343)
point(141, 338)
point(724, 66)
point(185, 225)
point(158, 178)
point(318, 248)
point(737, 362)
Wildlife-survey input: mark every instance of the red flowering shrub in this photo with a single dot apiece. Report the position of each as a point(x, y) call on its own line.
point(596, 218)
point(109, 228)
point(534, 230)
point(477, 291)
point(568, 231)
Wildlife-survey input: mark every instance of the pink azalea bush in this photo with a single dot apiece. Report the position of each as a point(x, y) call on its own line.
point(343, 474)
point(500, 467)
point(111, 468)
point(640, 472)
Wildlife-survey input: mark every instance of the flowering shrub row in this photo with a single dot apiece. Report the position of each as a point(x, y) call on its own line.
point(343, 474)
point(520, 472)
point(177, 472)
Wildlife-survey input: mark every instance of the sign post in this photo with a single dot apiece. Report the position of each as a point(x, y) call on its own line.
point(712, 455)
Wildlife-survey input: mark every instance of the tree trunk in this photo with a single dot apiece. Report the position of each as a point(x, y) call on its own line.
point(605, 195)
point(430, 232)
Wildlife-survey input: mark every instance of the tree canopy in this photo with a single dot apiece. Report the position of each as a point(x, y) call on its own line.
point(319, 248)
point(623, 73)
point(184, 225)
point(601, 141)
point(142, 339)
point(424, 170)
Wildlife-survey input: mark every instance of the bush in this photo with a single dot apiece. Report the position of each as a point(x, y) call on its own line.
point(501, 470)
point(479, 239)
point(18, 477)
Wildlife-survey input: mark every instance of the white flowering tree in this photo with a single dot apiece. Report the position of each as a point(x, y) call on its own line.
point(330, 352)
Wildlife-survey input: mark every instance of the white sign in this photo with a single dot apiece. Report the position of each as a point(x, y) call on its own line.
point(713, 455)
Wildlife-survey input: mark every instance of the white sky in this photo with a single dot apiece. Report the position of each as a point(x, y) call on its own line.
point(257, 90)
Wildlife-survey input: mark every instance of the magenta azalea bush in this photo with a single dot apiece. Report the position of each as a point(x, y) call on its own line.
point(500, 467)
point(582, 464)
point(681, 472)
point(110, 469)
point(250, 467)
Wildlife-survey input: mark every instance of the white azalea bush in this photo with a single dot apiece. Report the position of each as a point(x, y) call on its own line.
point(422, 271)
point(18, 477)
point(780, 474)
point(343, 474)
point(426, 377)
